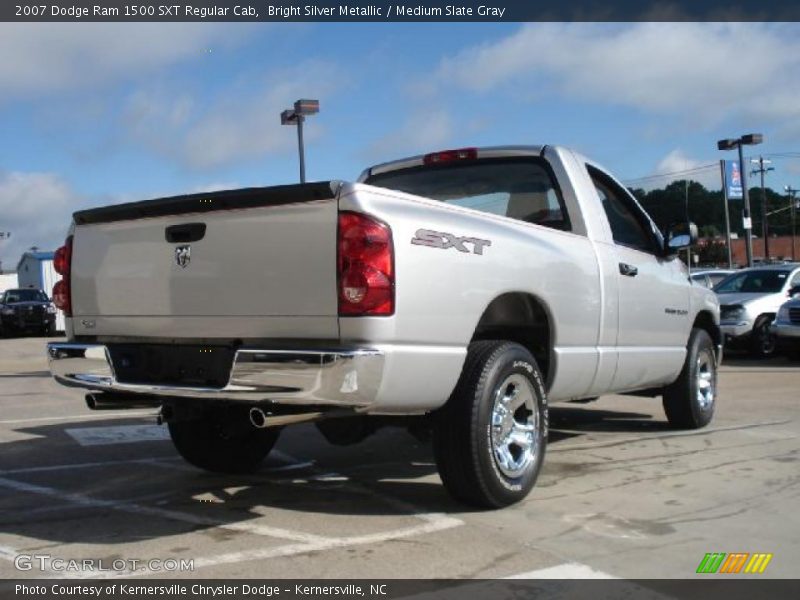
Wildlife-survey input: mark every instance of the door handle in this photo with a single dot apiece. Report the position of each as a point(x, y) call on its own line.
point(628, 270)
point(185, 233)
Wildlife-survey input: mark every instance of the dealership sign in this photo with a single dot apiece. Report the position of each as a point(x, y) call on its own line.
point(733, 179)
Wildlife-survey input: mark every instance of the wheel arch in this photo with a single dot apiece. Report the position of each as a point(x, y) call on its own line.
point(705, 321)
point(525, 319)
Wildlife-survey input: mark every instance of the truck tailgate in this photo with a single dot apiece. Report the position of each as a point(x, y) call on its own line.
point(249, 263)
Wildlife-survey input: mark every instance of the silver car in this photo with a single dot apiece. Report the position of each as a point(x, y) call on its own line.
point(749, 301)
point(710, 277)
point(787, 325)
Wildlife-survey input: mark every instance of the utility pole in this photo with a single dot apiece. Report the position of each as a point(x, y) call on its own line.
point(764, 225)
point(792, 192)
point(686, 217)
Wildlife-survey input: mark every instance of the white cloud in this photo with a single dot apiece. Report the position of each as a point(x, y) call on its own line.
point(677, 161)
point(36, 208)
point(678, 166)
point(43, 57)
point(706, 71)
point(213, 186)
point(241, 122)
point(422, 131)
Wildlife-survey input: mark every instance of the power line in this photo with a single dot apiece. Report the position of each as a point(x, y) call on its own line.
point(707, 167)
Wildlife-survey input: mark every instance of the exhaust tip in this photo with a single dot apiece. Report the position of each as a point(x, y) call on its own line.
point(91, 401)
point(258, 418)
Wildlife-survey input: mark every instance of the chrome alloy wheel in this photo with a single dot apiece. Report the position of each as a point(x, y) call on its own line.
point(514, 426)
point(706, 379)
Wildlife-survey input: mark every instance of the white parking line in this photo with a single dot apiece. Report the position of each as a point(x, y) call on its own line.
point(118, 434)
point(105, 415)
point(87, 465)
point(8, 553)
point(436, 522)
point(432, 522)
point(564, 571)
point(83, 500)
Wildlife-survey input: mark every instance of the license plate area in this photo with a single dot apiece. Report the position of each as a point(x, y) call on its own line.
point(200, 366)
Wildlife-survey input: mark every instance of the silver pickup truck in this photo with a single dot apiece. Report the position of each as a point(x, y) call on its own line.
point(458, 292)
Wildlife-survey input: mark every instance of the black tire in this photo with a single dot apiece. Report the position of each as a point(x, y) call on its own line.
point(793, 352)
point(50, 330)
point(688, 403)
point(464, 437)
point(763, 341)
point(223, 440)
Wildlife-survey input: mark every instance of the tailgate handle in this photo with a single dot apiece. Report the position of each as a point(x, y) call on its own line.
point(187, 232)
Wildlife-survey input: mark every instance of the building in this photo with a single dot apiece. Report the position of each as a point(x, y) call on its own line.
point(8, 281)
point(36, 270)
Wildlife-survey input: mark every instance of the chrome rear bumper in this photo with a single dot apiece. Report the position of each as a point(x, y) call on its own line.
point(345, 377)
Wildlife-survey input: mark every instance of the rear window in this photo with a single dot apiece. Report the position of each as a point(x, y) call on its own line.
point(24, 296)
point(521, 189)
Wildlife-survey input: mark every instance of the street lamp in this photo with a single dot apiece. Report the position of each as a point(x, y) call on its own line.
point(751, 139)
point(296, 116)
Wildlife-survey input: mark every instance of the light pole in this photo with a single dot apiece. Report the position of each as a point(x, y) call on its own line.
point(792, 192)
point(296, 116)
point(764, 220)
point(750, 139)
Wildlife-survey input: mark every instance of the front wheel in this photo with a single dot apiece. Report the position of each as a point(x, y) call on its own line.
point(690, 400)
point(763, 340)
point(222, 440)
point(490, 436)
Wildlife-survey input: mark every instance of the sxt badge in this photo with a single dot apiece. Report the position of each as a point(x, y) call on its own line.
point(443, 241)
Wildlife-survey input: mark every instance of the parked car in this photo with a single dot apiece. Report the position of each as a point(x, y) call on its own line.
point(749, 300)
point(710, 277)
point(464, 290)
point(787, 325)
point(27, 310)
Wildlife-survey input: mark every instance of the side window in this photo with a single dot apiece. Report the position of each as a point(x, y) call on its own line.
point(627, 226)
point(795, 280)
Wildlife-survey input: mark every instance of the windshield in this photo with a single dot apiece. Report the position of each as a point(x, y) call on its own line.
point(518, 188)
point(753, 282)
point(12, 296)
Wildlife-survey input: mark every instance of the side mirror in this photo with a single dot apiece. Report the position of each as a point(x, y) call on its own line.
point(679, 236)
point(794, 292)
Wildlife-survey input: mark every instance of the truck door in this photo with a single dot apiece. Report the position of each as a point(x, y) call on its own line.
point(653, 293)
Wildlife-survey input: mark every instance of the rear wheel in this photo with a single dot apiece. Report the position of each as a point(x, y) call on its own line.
point(762, 340)
point(690, 400)
point(490, 436)
point(223, 440)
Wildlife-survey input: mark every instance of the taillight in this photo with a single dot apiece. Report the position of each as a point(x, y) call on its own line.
point(365, 266)
point(62, 262)
point(446, 156)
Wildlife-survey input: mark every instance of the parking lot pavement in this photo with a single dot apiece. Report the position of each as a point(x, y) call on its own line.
point(620, 494)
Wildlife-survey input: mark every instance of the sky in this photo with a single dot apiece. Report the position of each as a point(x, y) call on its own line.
point(100, 113)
